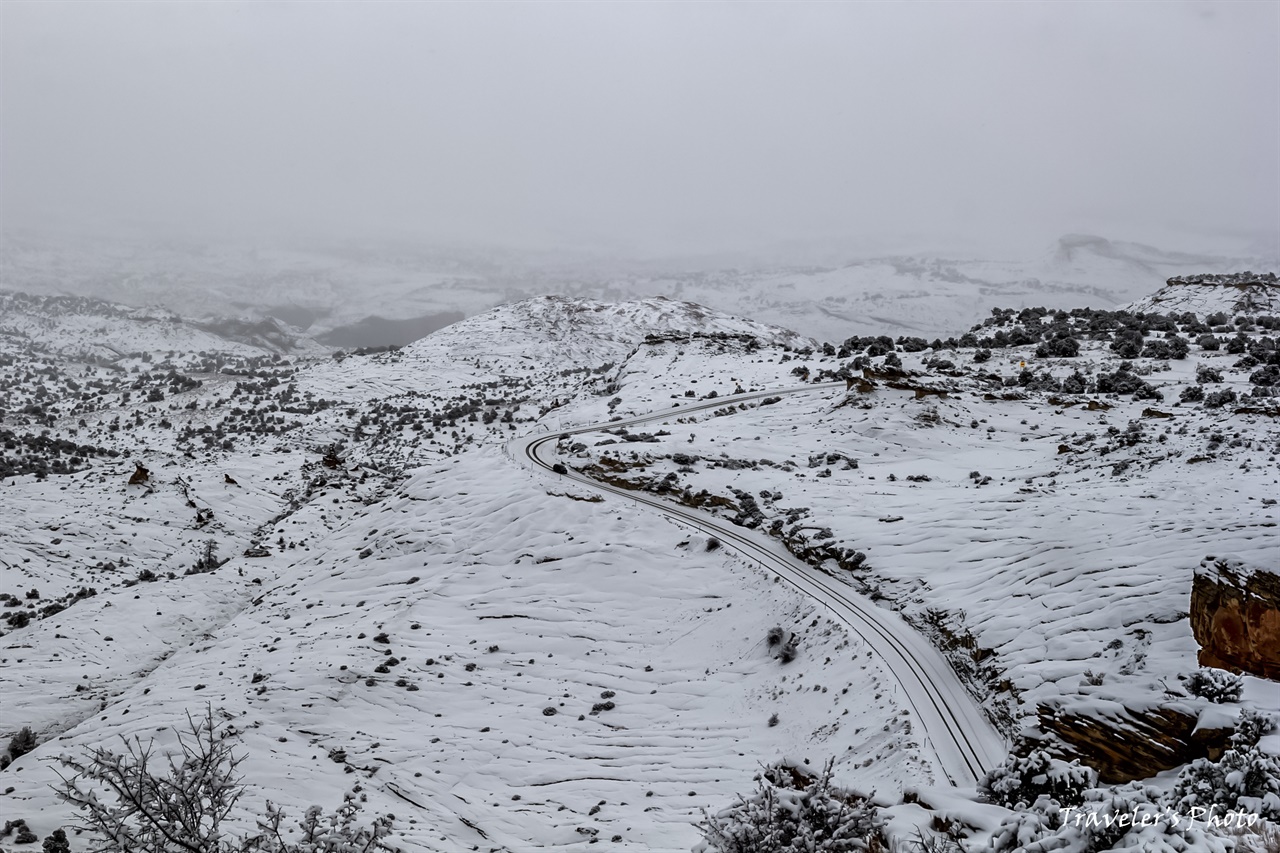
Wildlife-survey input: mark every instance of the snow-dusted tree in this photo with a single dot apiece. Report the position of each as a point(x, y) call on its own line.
point(817, 817)
point(1244, 779)
point(1252, 727)
point(1130, 818)
point(1020, 781)
point(1216, 685)
point(21, 744)
point(135, 802)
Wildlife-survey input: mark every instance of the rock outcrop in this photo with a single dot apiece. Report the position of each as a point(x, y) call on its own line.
point(1234, 279)
point(1123, 742)
point(1232, 293)
point(1235, 615)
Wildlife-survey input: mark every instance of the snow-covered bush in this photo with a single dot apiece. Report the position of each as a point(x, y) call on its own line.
point(1127, 343)
point(784, 814)
point(135, 804)
point(20, 744)
point(22, 832)
point(56, 842)
point(1064, 347)
point(1209, 342)
point(1244, 779)
point(1021, 781)
point(1267, 376)
point(1262, 838)
point(1216, 685)
point(1124, 381)
point(1133, 818)
point(1076, 383)
point(1252, 727)
point(1206, 375)
point(1130, 818)
point(1171, 346)
point(1021, 831)
point(1191, 394)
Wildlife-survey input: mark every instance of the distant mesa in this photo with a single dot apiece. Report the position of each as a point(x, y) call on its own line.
point(1231, 279)
point(381, 332)
point(1075, 248)
point(1070, 244)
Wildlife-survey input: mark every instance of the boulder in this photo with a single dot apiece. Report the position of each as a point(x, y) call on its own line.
point(1124, 742)
point(1235, 616)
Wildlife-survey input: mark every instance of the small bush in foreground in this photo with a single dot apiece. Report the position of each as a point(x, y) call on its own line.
point(134, 803)
point(785, 814)
point(1245, 779)
point(1019, 782)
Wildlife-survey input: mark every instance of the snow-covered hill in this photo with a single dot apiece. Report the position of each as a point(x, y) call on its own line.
point(1231, 295)
point(89, 329)
point(509, 662)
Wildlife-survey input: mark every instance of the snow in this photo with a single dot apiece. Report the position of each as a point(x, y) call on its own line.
point(476, 553)
point(931, 295)
point(1059, 566)
point(1209, 298)
point(1072, 570)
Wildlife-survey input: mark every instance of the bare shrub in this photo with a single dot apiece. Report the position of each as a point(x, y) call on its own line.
point(136, 802)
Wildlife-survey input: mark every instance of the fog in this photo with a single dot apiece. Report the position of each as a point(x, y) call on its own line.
point(645, 128)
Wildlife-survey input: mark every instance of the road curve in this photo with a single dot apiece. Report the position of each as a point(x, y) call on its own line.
point(964, 741)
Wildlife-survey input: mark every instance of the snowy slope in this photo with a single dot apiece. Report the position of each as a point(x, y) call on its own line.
point(1057, 531)
point(1241, 293)
point(419, 601)
point(963, 741)
point(90, 329)
point(575, 597)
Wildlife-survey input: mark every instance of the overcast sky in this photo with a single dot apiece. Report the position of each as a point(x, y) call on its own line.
point(645, 126)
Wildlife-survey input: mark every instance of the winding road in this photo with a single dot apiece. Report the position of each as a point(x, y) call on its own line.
point(964, 741)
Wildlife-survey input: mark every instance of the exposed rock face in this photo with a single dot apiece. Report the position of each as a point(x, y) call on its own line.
point(1235, 615)
point(1126, 743)
point(1234, 279)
